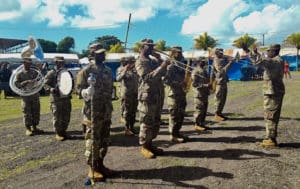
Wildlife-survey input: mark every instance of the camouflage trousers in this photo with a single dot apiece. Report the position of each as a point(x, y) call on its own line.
point(150, 121)
point(201, 105)
point(272, 109)
point(220, 98)
point(130, 108)
point(176, 108)
point(31, 111)
point(97, 134)
point(61, 110)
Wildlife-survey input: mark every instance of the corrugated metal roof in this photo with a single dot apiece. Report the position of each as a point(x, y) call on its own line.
point(8, 43)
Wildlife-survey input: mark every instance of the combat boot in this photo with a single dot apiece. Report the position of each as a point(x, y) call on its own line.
point(200, 128)
point(177, 139)
point(269, 142)
point(156, 150)
point(128, 132)
point(131, 127)
point(28, 132)
point(146, 152)
point(97, 176)
point(104, 170)
point(59, 138)
point(36, 130)
point(219, 118)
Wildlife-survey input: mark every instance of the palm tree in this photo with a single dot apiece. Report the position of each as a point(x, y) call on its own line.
point(161, 45)
point(244, 42)
point(294, 39)
point(205, 42)
point(117, 48)
point(136, 47)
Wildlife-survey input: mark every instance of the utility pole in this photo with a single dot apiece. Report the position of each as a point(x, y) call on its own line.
point(263, 39)
point(128, 25)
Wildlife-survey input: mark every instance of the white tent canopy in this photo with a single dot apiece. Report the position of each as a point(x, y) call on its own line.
point(48, 57)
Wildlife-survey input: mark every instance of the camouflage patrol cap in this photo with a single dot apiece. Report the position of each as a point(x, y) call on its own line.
point(176, 48)
point(219, 50)
point(27, 60)
point(274, 47)
point(123, 60)
point(59, 59)
point(96, 48)
point(131, 59)
point(200, 59)
point(147, 42)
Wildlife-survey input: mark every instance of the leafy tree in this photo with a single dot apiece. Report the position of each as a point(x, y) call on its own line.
point(294, 39)
point(48, 46)
point(244, 42)
point(117, 48)
point(84, 53)
point(107, 41)
point(205, 42)
point(66, 45)
point(136, 47)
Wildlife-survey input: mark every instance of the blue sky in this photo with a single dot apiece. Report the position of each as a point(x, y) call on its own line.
point(175, 21)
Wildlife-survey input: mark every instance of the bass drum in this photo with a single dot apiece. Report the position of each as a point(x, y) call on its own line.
point(65, 82)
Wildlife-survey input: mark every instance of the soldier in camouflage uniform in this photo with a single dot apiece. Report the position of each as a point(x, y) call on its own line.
point(174, 79)
point(149, 96)
point(59, 105)
point(30, 104)
point(128, 77)
point(123, 63)
point(273, 90)
point(201, 86)
point(221, 65)
point(86, 106)
point(101, 94)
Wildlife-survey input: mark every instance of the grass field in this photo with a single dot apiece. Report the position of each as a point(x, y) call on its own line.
point(226, 156)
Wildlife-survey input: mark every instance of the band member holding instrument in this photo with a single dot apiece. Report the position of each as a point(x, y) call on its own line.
point(128, 77)
point(175, 81)
point(201, 86)
point(150, 71)
point(273, 90)
point(221, 65)
point(98, 125)
point(60, 105)
point(123, 63)
point(31, 103)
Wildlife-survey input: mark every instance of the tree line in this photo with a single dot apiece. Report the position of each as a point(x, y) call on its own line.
point(202, 42)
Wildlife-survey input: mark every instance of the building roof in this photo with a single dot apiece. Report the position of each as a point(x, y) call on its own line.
point(8, 43)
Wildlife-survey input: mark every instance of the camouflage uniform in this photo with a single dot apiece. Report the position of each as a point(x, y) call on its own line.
point(30, 104)
point(60, 105)
point(102, 110)
point(200, 80)
point(149, 96)
point(273, 91)
point(129, 94)
point(220, 68)
point(176, 97)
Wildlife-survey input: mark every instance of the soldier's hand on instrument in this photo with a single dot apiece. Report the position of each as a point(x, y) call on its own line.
point(165, 63)
point(27, 82)
point(156, 55)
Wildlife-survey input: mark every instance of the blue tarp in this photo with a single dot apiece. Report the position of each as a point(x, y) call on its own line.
point(235, 71)
point(292, 61)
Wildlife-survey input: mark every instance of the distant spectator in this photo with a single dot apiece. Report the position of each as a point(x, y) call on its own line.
point(4, 79)
point(286, 70)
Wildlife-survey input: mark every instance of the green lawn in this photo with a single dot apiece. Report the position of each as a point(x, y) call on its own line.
point(10, 108)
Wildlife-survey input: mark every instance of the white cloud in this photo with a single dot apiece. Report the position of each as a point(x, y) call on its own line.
point(229, 19)
point(214, 17)
point(100, 13)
